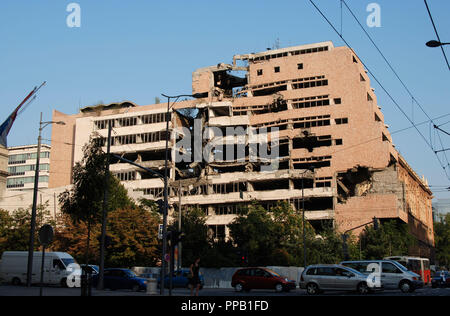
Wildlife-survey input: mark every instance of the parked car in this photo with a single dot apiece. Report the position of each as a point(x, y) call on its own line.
point(319, 278)
point(115, 279)
point(92, 269)
point(149, 275)
point(247, 279)
point(441, 279)
point(180, 279)
point(58, 267)
point(393, 275)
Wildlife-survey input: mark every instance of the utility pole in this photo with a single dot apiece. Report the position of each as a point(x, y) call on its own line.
point(33, 209)
point(105, 212)
point(179, 225)
point(42, 125)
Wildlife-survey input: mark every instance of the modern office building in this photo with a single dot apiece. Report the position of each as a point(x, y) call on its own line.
point(3, 169)
point(276, 125)
point(22, 166)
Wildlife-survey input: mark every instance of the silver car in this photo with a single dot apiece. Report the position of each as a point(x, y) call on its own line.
point(392, 274)
point(319, 278)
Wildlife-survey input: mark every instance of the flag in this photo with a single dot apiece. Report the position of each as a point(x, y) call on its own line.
point(6, 126)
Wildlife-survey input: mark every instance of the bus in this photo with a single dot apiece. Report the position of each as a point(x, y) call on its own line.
point(421, 266)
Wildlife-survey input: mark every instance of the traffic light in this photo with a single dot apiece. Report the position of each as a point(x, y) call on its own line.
point(376, 225)
point(160, 204)
point(243, 257)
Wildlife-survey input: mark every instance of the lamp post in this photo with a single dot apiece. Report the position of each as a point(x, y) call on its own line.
point(376, 226)
point(165, 208)
point(42, 125)
point(434, 44)
point(438, 43)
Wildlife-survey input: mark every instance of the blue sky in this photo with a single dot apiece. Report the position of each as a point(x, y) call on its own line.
point(135, 50)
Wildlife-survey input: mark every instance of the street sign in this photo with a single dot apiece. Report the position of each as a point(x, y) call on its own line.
point(160, 231)
point(46, 235)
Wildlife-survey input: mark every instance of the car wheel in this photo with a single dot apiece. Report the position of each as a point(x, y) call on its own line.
point(363, 288)
point(239, 287)
point(312, 289)
point(63, 283)
point(405, 287)
point(16, 281)
point(279, 288)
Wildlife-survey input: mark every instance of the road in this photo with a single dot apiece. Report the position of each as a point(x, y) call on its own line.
point(9, 290)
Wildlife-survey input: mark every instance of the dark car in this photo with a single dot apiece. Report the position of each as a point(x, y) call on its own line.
point(247, 279)
point(115, 279)
point(90, 268)
point(441, 279)
point(180, 279)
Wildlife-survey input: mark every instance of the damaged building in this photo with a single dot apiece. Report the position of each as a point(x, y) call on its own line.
point(325, 139)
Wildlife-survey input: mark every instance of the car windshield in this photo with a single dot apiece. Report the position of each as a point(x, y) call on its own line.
point(68, 261)
point(400, 266)
point(130, 274)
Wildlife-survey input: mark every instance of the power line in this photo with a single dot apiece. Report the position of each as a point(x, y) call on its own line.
point(381, 85)
point(401, 81)
point(437, 34)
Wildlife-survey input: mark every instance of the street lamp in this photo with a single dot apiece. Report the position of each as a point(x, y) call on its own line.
point(42, 125)
point(435, 44)
point(166, 202)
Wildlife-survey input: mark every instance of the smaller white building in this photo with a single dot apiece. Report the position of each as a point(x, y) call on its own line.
point(22, 166)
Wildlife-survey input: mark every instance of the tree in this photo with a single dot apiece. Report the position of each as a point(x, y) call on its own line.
point(15, 228)
point(327, 247)
point(272, 237)
point(133, 233)
point(442, 241)
point(84, 202)
point(391, 239)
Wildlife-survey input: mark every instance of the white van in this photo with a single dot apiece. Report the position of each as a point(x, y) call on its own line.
point(392, 274)
point(58, 268)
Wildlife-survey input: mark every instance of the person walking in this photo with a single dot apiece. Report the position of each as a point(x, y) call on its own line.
point(194, 281)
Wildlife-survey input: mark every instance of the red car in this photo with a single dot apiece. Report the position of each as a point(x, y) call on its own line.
point(247, 279)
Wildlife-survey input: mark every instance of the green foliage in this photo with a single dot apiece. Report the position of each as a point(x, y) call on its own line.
point(272, 238)
point(151, 206)
point(391, 239)
point(196, 242)
point(442, 241)
point(15, 228)
point(84, 202)
point(134, 233)
point(134, 238)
